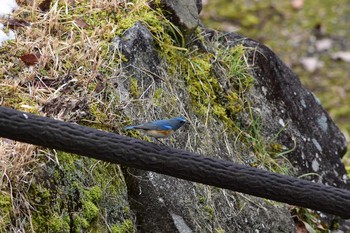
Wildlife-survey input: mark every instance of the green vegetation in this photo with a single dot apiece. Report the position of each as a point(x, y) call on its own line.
point(70, 205)
point(291, 33)
point(73, 81)
point(5, 209)
point(126, 227)
point(298, 29)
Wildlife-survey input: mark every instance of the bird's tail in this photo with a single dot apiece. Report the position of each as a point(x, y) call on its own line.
point(129, 127)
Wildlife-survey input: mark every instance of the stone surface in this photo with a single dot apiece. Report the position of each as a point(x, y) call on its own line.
point(165, 204)
point(183, 13)
point(137, 46)
point(279, 97)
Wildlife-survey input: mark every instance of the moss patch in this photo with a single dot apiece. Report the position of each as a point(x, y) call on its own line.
point(126, 227)
point(5, 210)
point(76, 194)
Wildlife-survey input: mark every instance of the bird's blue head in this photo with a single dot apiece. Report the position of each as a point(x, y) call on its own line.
point(177, 122)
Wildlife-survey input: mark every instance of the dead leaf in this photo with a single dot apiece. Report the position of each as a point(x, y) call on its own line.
point(308, 227)
point(15, 23)
point(81, 23)
point(30, 59)
point(301, 228)
point(45, 5)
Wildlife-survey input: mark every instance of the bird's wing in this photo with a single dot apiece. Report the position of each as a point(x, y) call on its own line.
point(156, 125)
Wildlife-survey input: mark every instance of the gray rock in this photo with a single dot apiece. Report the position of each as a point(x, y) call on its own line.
point(137, 46)
point(278, 97)
point(183, 13)
point(165, 204)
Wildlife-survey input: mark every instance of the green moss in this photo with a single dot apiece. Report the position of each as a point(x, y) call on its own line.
point(202, 200)
point(134, 89)
point(90, 210)
point(94, 194)
point(15, 97)
point(41, 200)
point(58, 224)
point(42, 194)
point(203, 84)
point(81, 223)
point(5, 210)
point(126, 227)
point(99, 114)
point(158, 97)
point(77, 197)
point(209, 211)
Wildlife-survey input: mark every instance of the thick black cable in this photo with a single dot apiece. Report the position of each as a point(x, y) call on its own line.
point(73, 138)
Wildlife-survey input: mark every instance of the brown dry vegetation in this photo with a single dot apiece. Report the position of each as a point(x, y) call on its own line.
point(69, 82)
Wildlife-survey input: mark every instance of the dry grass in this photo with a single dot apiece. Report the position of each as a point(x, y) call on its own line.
point(70, 57)
point(77, 65)
point(68, 83)
point(16, 163)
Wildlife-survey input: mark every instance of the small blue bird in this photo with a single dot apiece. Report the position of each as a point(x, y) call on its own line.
point(160, 128)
